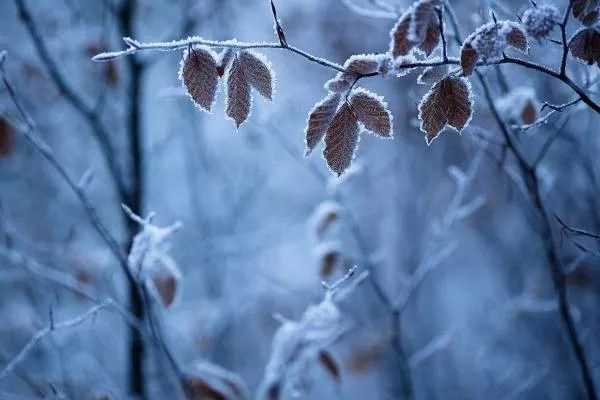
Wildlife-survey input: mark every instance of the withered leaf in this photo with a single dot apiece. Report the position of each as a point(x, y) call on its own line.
point(340, 83)
point(362, 64)
point(586, 11)
point(400, 45)
point(329, 260)
point(166, 287)
point(448, 102)
point(432, 38)
point(516, 37)
point(585, 45)
point(468, 59)
point(258, 73)
point(224, 58)
point(423, 20)
point(200, 76)
point(372, 112)
point(319, 119)
point(238, 93)
point(329, 363)
point(529, 113)
point(341, 140)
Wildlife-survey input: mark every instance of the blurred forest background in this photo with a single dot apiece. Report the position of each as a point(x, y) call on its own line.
point(459, 302)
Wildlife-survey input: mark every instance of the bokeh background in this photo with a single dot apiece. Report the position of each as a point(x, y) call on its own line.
point(479, 318)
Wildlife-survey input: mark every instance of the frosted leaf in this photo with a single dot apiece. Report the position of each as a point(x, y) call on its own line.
point(431, 39)
point(199, 74)
point(447, 103)
point(206, 381)
point(330, 258)
point(431, 75)
point(520, 104)
point(238, 93)
point(325, 215)
point(400, 45)
point(372, 112)
point(418, 26)
point(149, 260)
point(164, 278)
point(224, 59)
point(424, 19)
point(586, 11)
point(585, 45)
point(319, 119)
point(468, 58)
point(540, 21)
point(258, 73)
point(515, 36)
point(341, 140)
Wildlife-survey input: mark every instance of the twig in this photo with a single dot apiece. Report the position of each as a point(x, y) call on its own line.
point(49, 329)
point(89, 113)
point(278, 28)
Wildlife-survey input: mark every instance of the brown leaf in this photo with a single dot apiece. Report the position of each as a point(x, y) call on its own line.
point(400, 45)
point(197, 388)
point(363, 358)
point(432, 38)
point(468, 59)
point(448, 102)
point(529, 112)
point(423, 17)
point(258, 73)
point(208, 381)
point(585, 45)
point(319, 119)
point(238, 93)
point(330, 259)
point(329, 363)
point(7, 138)
point(341, 140)
point(166, 286)
point(200, 76)
point(372, 112)
point(516, 37)
point(586, 11)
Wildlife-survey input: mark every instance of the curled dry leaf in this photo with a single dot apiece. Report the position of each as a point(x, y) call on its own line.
point(372, 112)
point(468, 59)
point(330, 365)
point(258, 73)
point(165, 282)
point(586, 11)
point(339, 83)
point(585, 45)
point(341, 140)
point(447, 103)
point(238, 93)
point(516, 36)
point(319, 119)
point(418, 26)
point(199, 74)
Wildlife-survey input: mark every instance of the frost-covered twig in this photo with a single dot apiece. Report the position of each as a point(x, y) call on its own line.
point(52, 327)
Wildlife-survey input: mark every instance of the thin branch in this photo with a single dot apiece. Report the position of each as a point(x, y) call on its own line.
point(440, 15)
point(278, 28)
point(52, 327)
point(563, 34)
point(576, 231)
point(48, 155)
point(89, 113)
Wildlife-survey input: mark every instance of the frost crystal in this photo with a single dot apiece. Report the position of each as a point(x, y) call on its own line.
point(539, 21)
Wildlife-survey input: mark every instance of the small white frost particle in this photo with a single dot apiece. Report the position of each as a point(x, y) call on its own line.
point(540, 21)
